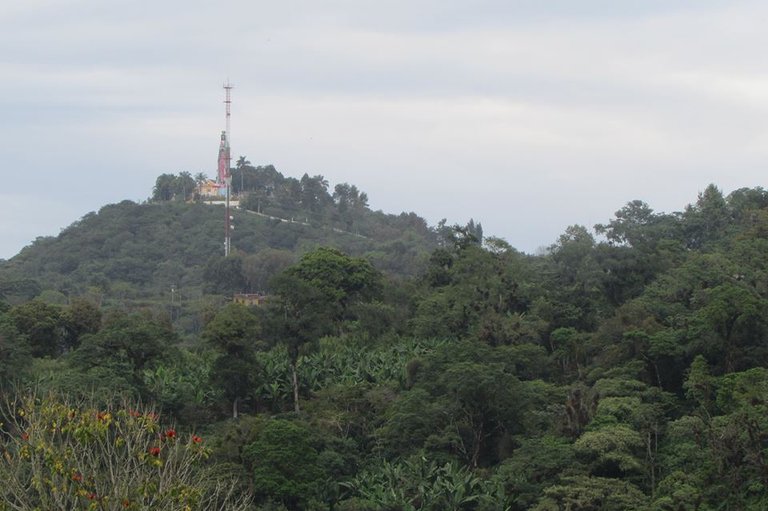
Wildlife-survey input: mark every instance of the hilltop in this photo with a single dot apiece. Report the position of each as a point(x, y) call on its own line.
point(137, 252)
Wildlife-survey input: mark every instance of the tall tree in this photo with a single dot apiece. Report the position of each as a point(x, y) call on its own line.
point(164, 187)
point(316, 295)
point(42, 326)
point(241, 166)
point(234, 333)
point(184, 186)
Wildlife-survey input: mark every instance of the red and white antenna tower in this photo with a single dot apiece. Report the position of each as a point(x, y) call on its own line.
point(225, 164)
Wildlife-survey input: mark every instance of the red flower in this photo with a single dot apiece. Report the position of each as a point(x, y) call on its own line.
point(25, 436)
point(77, 477)
point(171, 433)
point(126, 503)
point(154, 451)
point(196, 439)
point(92, 496)
point(134, 413)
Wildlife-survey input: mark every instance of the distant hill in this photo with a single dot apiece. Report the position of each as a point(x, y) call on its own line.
point(129, 252)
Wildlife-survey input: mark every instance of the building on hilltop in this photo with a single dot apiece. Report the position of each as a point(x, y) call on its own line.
point(249, 299)
point(210, 192)
point(208, 188)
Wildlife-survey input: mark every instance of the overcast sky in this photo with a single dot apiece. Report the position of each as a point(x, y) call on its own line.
point(527, 115)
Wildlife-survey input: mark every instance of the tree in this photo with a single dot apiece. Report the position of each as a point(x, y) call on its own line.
point(41, 324)
point(20, 288)
point(240, 167)
point(126, 346)
point(315, 295)
point(234, 333)
point(533, 466)
point(224, 275)
point(569, 348)
point(184, 185)
point(314, 193)
point(716, 456)
point(339, 278)
point(612, 450)
point(735, 314)
point(592, 493)
point(705, 222)
point(285, 464)
point(14, 353)
point(636, 225)
point(575, 295)
point(260, 268)
point(472, 292)
point(200, 178)
point(80, 317)
point(178, 187)
point(164, 187)
point(485, 403)
point(59, 454)
point(464, 403)
point(300, 314)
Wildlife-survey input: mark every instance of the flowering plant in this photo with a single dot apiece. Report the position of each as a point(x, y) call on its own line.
point(55, 454)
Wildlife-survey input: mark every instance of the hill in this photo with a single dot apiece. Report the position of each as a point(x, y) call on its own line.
point(135, 253)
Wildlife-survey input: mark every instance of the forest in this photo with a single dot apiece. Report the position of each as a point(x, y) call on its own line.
point(393, 366)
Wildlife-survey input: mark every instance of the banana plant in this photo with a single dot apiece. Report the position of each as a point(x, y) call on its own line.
point(420, 484)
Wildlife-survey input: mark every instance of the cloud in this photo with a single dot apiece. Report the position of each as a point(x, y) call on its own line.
point(526, 115)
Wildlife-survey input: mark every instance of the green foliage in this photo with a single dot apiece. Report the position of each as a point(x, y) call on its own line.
point(592, 493)
point(285, 464)
point(13, 287)
point(81, 317)
point(611, 450)
point(472, 292)
point(224, 275)
point(315, 296)
point(174, 187)
point(536, 464)
point(133, 254)
point(126, 346)
point(618, 372)
point(259, 268)
point(58, 454)
point(234, 332)
point(718, 454)
point(182, 385)
point(462, 404)
point(42, 326)
point(419, 484)
point(338, 277)
point(14, 353)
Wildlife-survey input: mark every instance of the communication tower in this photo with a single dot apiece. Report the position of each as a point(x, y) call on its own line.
point(224, 178)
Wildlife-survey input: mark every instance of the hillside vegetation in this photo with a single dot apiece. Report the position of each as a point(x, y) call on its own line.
point(626, 368)
point(171, 248)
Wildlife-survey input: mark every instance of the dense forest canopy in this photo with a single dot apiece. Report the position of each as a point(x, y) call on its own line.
point(393, 365)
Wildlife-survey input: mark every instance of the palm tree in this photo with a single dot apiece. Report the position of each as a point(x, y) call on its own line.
point(184, 184)
point(241, 163)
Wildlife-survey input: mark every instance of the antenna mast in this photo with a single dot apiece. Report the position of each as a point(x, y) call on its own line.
point(225, 175)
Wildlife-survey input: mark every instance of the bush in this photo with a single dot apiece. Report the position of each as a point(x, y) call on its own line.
point(63, 455)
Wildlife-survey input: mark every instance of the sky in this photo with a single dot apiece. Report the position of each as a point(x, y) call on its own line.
point(526, 115)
